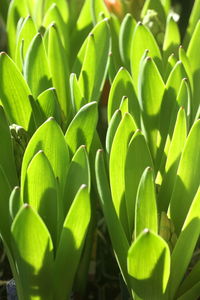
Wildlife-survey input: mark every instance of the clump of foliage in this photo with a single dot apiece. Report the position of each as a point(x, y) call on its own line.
point(100, 101)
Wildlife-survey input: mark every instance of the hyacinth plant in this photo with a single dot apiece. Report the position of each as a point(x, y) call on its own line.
point(61, 56)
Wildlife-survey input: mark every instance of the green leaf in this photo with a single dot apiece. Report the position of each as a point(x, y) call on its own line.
point(169, 103)
point(82, 127)
point(171, 159)
point(143, 39)
point(33, 255)
point(149, 265)
point(7, 161)
point(192, 53)
point(102, 44)
point(117, 161)
point(156, 6)
point(193, 20)
point(59, 71)
point(115, 63)
point(150, 93)
point(36, 69)
point(189, 236)
point(56, 152)
point(40, 191)
point(123, 86)
point(37, 114)
point(78, 174)
point(187, 179)
point(49, 106)
point(125, 38)
point(190, 280)
point(166, 5)
point(14, 202)
point(17, 9)
point(137, 160)
point(98, 8)
point(77, 98)
point(24, 38)
point(62, 8)
point(53, 16)
point(145, 207)
point(171, 62)
point(5, 220)
point(71, 243)
point(14, 93)
point(112, 127)
point(80, 29)
point(186, 63)
point(101, 36)
point(86, 78)
point(172, 37)
point(117, 235)
point(192, 294)
point(124, 105)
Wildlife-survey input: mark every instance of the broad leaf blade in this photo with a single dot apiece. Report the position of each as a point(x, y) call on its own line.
point(98, 8)
point(82, 127)
point(49, 106)
point(56, 152)
point(125, 37)
point(192, 294)
point(71, 243)
point(77, 98)
point(40, 191)
point(112, 127)
point(17, 9)
point(25, 36)
point(149, 265)
point(192, 53)
point(117, 161)
point(150, 93)
point(142, 40)
point(5, 219)
point(6, 151)
point(86, 78)
point(187, 179)
point(78, 174)
point(169, 103)
point(172, 37)
point(194, 18)
point(123, 86)
point(137, 160)
point(53, 16)
point(36, 69)
point(34, 255)
point(189, 235)
point(116, 231)
point(145, 207)
point(172, 158)
point(59, 72)
point(14, 93)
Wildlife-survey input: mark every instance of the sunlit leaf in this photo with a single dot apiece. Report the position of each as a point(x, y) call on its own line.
point(33, 255)
point(149, 265)
point(134, 168)
point(81, 129)
point(187, 180)
point(14, 93)
point(40, 191)
point(117, 161)
point(123, 86)
point(71, 243)
point(36, 69)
